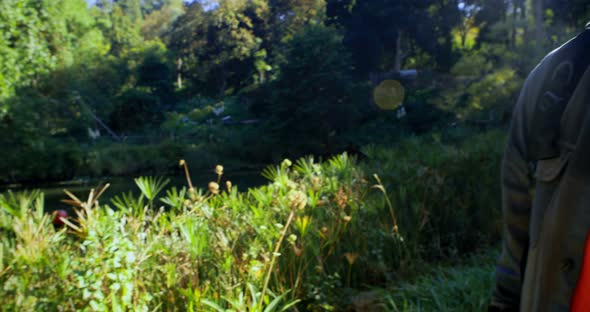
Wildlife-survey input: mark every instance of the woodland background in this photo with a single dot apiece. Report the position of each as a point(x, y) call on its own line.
point(408, 219)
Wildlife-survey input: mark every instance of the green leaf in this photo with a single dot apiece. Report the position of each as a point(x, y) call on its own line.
point(212, 305)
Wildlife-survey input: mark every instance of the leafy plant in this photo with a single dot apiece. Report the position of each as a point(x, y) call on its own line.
point(150, 187)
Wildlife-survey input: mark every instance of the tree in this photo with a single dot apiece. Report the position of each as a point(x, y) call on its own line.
point(539, 13)
point(149, 6)
point(155, 73)
point(38, 36)
point(380, 33)
point(131, 9)
point(158, 21)
point(120, 22)
point(314, 97)
point(22, 38)
point(289, 17)
point(486, 14)
point(217, 47)
point(580, 10)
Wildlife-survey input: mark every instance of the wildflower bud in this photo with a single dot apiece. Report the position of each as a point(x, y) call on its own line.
point(181, 163)
point(297, 199)
point(292, 239)
point(228, 185)
point(347, 219)
point(219, 169)
point(351, 257)
point(213, 187)
point(297, 251)
point(315, 181)
point(286, 163)
point(58, 217)
point(341, 198)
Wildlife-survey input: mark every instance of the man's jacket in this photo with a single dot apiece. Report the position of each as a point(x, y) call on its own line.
point(546, 201)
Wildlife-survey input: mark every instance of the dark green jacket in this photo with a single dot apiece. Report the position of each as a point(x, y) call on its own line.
point(546, 203)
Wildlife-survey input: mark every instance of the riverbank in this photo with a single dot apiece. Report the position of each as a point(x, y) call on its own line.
point(69, 163)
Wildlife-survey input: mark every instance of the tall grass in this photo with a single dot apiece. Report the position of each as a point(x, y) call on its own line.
point(445, 189)
point(464, 287)
point(314, 233)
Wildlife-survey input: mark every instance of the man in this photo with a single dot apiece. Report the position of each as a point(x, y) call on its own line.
point(542, 266)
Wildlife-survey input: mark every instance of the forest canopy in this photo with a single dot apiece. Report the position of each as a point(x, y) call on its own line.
point(302, 71)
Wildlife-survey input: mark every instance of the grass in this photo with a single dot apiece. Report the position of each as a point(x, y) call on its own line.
point(459, 287)
point(312, 239)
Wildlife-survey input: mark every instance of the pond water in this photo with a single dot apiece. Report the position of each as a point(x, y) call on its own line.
point(54, 192)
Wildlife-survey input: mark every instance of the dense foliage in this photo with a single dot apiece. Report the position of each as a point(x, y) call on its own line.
point(309, 237)
point(300, 72)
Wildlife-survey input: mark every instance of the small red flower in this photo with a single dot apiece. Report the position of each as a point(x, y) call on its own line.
point(59, 216)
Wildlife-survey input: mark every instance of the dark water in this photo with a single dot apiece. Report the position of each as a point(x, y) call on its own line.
point(54, 193)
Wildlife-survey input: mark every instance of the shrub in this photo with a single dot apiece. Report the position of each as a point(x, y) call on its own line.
point(135, 110)
point(445, 188)
point(314, 97)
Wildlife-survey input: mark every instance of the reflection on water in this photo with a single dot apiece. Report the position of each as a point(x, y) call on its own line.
point(54, 192)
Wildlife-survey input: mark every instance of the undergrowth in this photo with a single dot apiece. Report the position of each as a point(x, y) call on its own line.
point(302, 242)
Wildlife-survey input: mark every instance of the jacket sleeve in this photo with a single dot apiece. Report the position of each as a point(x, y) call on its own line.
point(516, 201)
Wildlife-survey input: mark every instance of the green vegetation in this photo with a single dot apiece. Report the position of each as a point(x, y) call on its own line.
point(291, 78)
point(461, 287)
point(129, 87)
point(306, 240)
point(447, 186)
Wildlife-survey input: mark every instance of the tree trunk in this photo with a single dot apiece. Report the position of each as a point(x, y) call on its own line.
point(522, 6)
point(524, 10)
point(179, 76)
point(398, 52)
point(514, 21)
point(539, 22)
point(223, 82)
